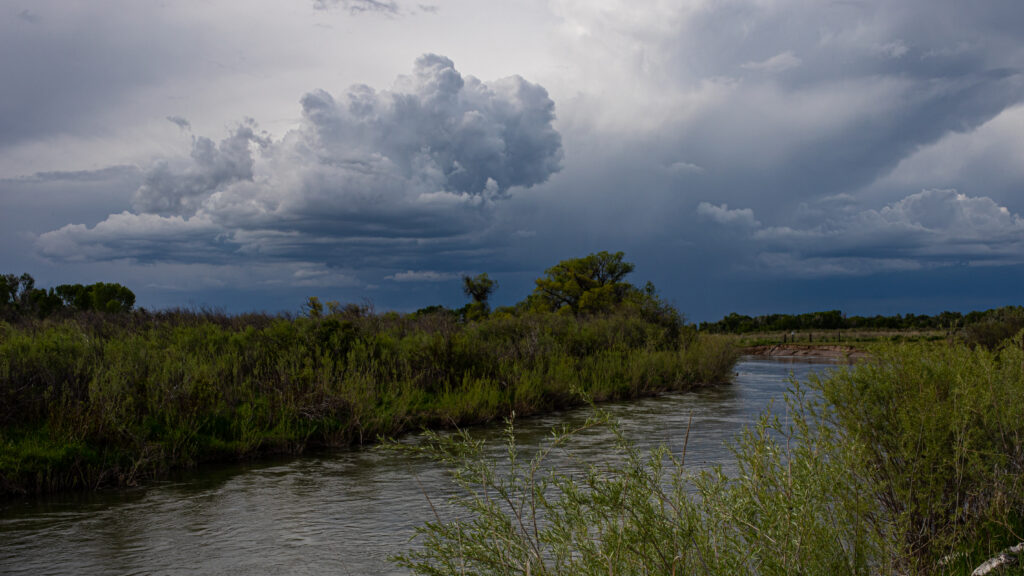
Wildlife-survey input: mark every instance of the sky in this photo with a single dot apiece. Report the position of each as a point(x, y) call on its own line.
point(751, 156)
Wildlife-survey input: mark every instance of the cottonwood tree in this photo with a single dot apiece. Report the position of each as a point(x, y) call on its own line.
point(589, 284)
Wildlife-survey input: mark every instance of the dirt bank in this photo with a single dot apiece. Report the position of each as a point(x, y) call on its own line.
point(835, 351)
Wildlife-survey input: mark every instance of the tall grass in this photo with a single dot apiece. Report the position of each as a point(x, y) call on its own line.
point(908, 464)
point(92, 400)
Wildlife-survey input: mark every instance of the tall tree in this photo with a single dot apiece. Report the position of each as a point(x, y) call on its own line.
point(588, 284)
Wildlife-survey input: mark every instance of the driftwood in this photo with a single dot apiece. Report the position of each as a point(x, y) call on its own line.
point(1004, 558)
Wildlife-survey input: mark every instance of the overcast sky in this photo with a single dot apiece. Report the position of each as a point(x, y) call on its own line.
point(748, 155)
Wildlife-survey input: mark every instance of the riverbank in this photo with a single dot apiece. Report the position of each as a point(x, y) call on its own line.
point(357, 507)
point(819, 351)
point(906, 464)
point(95, 400)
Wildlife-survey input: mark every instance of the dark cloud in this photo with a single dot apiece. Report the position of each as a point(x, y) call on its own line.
point(100, 175)
point(370, 176)
point(782, 102)
point(180, 122)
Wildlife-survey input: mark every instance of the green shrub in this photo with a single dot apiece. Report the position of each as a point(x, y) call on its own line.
point(911, 463)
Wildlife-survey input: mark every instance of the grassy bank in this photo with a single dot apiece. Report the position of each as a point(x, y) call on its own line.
point(909, 464)
point(96, 399)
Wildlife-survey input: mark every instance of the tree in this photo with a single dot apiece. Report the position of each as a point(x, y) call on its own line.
point(587, 284)
point(8, 291)
point(101, 297)
point(111, 297)
point(479, 288)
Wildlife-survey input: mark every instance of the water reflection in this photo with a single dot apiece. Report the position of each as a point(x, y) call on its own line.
point(341, 513)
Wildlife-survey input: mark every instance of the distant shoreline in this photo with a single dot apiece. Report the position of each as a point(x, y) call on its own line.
point(832, 351)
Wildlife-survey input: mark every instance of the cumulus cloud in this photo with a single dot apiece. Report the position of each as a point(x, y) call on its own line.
point(723, 215)
point(181, 189)
point(395, 170)
point(138, 236)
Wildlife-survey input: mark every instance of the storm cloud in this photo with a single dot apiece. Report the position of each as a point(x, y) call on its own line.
point(425, 161)
point(721, 145)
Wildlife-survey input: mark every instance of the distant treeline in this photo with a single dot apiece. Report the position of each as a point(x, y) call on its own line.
point(19, 297)
point(835, 320)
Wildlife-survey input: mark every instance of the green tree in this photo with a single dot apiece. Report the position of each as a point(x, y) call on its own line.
point(589, 284)
point(479, 288)
point(8, 292)
point(19, 296)
point(74, 296)
point(111, 298)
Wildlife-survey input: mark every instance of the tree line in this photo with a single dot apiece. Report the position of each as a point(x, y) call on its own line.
point(19, 297)
point(995, 324)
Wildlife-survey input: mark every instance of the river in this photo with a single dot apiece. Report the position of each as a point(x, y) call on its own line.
point(341, 512)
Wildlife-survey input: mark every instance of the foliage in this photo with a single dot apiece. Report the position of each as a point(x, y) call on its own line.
point(98, 398)
point(88, 397)
point(941, 426)
point(735, 323)
point(593, 283)
point(20, 298)
point(792, 509)
point(909, 464)
point(990, 328)
point(479, 287)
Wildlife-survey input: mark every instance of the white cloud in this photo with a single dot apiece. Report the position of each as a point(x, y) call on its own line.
point(723, 215)
point(929, 228)
point(135, 236)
